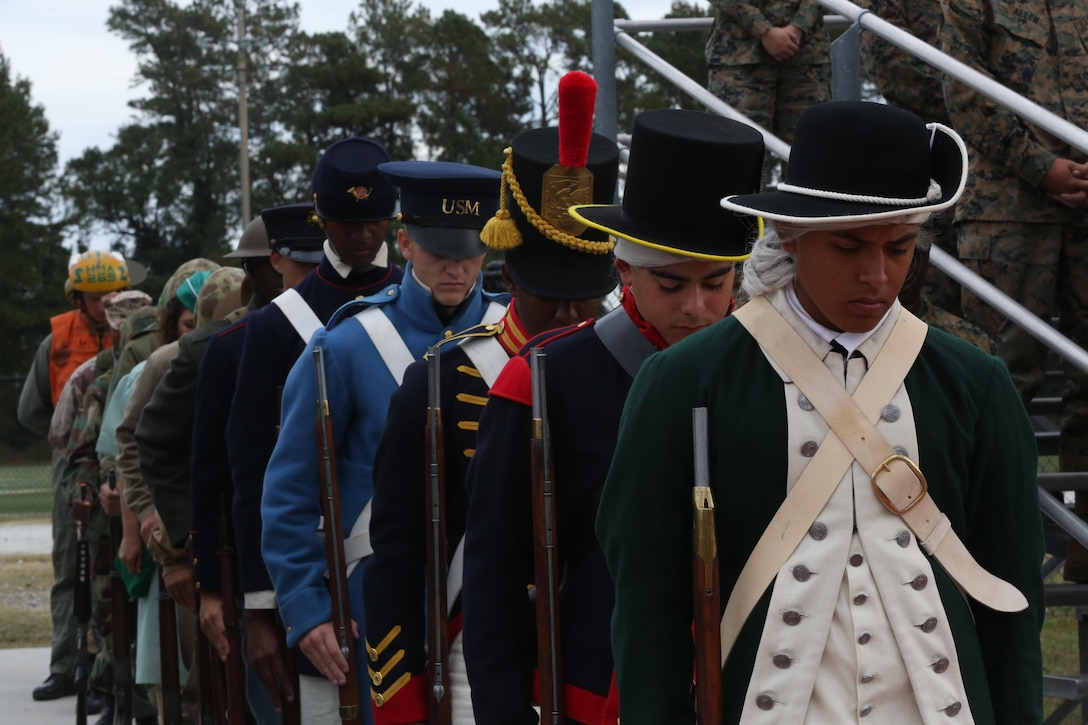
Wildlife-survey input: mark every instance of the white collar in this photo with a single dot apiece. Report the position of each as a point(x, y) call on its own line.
point(381, 259)
point(850, 341)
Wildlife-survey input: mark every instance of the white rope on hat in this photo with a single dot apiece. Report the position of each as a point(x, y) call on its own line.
point(932, 195)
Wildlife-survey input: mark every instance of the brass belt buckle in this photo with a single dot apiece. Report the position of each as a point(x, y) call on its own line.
point(884, 498)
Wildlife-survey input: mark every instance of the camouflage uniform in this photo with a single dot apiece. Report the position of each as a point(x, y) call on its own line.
point(1010, 231)
point(744, 75)
point(914, 85)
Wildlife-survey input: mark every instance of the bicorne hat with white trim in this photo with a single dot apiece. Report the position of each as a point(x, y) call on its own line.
point(854, 161)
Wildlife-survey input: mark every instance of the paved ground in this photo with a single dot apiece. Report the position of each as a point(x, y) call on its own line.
point(21, 670)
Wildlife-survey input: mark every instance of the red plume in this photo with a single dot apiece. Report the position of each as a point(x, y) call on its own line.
point(577, 94)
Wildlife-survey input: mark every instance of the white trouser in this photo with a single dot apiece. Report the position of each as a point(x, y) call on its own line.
point(319, 701)
point(460, 693)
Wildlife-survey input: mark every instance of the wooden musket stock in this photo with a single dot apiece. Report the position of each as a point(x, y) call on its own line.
point(121, 626)
point(546, 553)
point(334, 546)
point(82, 610)
point(235, 705)
point(706, 592)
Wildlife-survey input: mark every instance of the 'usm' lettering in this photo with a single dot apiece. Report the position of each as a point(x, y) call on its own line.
point(461, 207)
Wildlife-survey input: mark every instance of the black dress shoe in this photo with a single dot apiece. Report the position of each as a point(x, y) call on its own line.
point(55, 686)
point(95, 704)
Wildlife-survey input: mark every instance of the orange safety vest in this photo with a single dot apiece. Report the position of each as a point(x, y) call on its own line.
point(74, 342)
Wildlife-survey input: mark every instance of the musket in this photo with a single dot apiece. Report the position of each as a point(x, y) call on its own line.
point(235, 669)
point(439, 709)
point(706, 592)
point(121, 628)
point(290, 712)
point(545, 549)
point(334, 546)
point(82, 610)
point(168, 657)
point(211, 693)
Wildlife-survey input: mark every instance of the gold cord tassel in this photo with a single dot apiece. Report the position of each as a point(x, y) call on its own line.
point(501, 232)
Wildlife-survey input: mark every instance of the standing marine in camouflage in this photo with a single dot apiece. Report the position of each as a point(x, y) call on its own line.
point(1022, 221)
point(914, 85)
point(770, 60)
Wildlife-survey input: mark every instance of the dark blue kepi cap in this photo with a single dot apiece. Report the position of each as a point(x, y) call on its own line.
point(445, 205)
point(348, 186)
point(293, 231)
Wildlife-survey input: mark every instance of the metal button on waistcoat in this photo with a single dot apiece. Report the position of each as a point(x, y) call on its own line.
point(782, 661)
point(765, 702)
point(376, 678)
point(865, 710)
point(889, 413)
point(900, 450)
point(856, 559)
point(903, 539)
point(791, 618)
point(953, 709)
point(919, 582)
point(864, 639)
point(861, 598)
point(373, 654)
point(929, 625)
point(809, 448)
point(804, 403)
point(818, 531)
point(866, 679)
point(941, 666)
point(379, 699)
point(801, 573)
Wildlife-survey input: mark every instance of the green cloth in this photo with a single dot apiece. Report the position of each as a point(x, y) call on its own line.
point(978, 452)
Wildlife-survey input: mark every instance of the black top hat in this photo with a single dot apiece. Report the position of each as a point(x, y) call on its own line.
point(548, 253)
point(348, 186)
point(445, 205)
point(853, 161)
point(293, 231)
point(682, 163)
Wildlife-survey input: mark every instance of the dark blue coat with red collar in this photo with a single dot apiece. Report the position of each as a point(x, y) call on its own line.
point(586, 390)
point(211, 485)
point(270, 350)
point(395, 586)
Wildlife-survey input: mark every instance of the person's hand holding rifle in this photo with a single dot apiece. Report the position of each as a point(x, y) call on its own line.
point(549, 656)
point(438, 644)
point(333, 655)
point(706, 592)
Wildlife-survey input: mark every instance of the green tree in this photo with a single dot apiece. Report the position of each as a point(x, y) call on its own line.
point(684, 50)
point(32, 255)
point(468, 113)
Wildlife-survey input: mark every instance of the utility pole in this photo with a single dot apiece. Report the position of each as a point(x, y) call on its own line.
point(243, 112)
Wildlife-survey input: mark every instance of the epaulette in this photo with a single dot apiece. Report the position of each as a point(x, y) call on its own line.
point(550, 336)
point(355, 306)
point(513, 382)
point(484, 329)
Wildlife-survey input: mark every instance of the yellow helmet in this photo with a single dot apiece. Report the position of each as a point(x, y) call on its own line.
point(97, 271)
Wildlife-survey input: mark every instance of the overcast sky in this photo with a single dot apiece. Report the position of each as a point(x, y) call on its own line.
point(82, 74)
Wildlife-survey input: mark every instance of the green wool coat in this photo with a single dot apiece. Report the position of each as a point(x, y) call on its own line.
point(978, 451)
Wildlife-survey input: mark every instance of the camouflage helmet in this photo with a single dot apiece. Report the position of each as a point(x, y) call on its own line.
point(220, 295)
point(97, 271)
point(140, 322)
point(182, 273)
point(121, 305)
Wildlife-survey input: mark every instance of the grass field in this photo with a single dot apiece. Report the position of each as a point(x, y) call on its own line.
point(25, 491)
